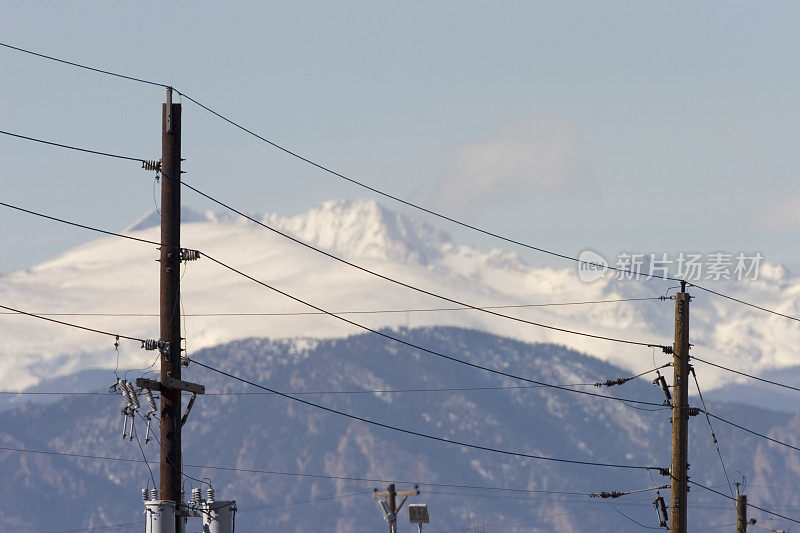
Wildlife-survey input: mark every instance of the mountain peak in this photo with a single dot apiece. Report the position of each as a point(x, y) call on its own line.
point(364, 228)
point(152, 218)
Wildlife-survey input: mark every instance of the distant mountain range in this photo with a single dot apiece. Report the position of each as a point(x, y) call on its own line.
point(319, 460)
point(114, 276)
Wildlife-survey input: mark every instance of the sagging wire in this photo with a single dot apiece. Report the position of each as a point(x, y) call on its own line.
point(617, 494)
point(158, 441)
point(631, 519)
point(141, 449)
point(621, 381)
point(711, 428)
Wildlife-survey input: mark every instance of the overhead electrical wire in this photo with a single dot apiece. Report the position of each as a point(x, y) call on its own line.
point(370, 188)
point(420, 434)
point(375, 190)
point(752, 432)
point(408, 285)
point(378, 332)
point(354, 479)
point(722, 295)
point(101, 71)
point(129, 525)
point(414, 345)
point(777, 384)
point(773, 513)
point(631, 519)
point(333, 392)
point(363, 312)
point(141, 449)
point(313, 499)
point(711, 428)
point(322, 393)
point(509, 317)
point(91, 330)
point(743, 302)
point(77, 225)
point(95, 152)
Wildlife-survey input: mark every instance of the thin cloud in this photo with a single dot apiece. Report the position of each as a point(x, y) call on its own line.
point(538, 154)
point(782, 213)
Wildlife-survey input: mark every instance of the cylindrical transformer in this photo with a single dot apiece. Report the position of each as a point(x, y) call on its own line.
point(220, 516)
point(159, 516)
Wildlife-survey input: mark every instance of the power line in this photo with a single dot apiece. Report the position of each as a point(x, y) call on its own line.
point(319, 393)
point(92, 330)
point(108, 72)
point(371, 330)
point(747, 375)
point(354, 479)
point(141, 449)
point(710, 427)
point(631, 519)
point(416, 346)
point(748, 503)
point(486, 310)
point(459, 222)
point(330, 392)
point(397, 198)
point(128, 525)
point(325, 497)
point(756, 433)
point(408, 285)
point(796, 319)
point(364, 312)
point(77, 225)
point(575, 259)
point(417, 433)
point(71, 147)
point(374, 331)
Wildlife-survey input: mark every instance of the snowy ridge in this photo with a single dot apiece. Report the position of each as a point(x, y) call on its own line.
point(366, 229)
point(111, 275)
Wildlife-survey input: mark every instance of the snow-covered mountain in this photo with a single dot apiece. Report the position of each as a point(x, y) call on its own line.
point(115, 276)
point(303, 469)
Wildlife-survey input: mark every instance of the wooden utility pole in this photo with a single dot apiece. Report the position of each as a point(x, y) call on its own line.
point(170, 332)
point(741, 513)
point(391, 499)
point(679, 481)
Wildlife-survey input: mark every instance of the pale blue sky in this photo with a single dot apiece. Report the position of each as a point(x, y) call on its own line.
point(638, 126)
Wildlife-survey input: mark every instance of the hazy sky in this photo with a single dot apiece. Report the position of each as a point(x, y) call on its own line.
point(616, 126)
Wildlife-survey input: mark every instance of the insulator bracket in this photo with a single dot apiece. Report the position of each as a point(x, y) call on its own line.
point(152, 165)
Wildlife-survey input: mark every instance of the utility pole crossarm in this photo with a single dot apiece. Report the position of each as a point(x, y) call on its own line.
point(401, 493)
point(172, 383)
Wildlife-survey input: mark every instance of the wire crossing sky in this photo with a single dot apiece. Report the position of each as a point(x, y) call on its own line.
point(699, 108)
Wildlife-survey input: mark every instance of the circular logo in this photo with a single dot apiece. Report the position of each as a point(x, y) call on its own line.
point(592, 266)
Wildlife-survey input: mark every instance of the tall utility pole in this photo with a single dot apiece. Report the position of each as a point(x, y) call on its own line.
point(741, 512)
point(170, 332)
point(679, 481)
point(391, 501)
